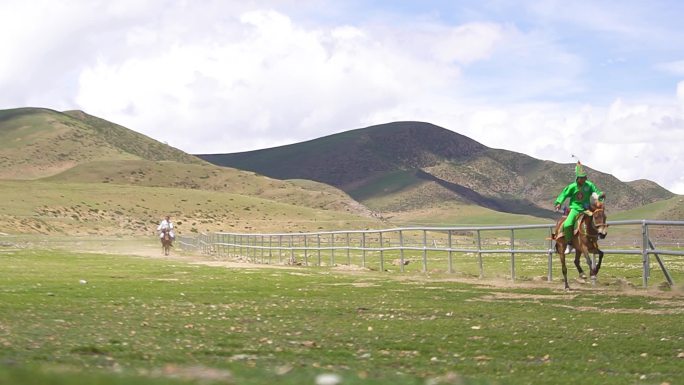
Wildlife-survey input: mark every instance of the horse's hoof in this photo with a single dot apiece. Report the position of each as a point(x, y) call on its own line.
point(583, 276)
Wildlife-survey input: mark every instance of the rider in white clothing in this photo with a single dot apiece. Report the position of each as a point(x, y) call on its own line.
point(166, 224)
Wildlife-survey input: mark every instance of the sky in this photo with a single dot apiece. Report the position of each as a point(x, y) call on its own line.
point(597, 80)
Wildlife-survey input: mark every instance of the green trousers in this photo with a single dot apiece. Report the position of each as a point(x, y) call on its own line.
point(569, 224)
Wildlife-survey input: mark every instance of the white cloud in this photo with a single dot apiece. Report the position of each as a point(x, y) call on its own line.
point(236, 76)
point(465, 43)
point(272, 78)
point(631, 140)
point(675, 67)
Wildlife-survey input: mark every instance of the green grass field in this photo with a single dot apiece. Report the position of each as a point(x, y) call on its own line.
point(68, 318)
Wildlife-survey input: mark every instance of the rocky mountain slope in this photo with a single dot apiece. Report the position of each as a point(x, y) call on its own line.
point(404, 166)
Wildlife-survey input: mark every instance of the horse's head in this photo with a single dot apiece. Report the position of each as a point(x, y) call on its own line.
point(599, 220)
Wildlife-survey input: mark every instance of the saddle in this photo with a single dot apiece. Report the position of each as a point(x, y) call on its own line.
point(558, 230)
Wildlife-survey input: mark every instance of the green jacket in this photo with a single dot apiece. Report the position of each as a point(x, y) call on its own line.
point(580, 197)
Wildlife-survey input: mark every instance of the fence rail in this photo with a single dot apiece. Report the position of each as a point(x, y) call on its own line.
point(478, 241)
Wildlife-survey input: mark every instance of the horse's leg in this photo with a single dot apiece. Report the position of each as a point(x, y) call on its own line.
point(560, 248)
point(592, 271)
point(577, 264)
point(600, 259)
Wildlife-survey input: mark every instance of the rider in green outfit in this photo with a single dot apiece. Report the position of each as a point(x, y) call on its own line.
point(579, 193)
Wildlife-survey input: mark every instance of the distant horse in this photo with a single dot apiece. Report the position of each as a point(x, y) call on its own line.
point(591, 226)
point(166, 241)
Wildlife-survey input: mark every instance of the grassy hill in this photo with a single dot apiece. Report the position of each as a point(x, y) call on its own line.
point(416, 166)
point(666, 210)
point(211, 178)
point(36, 142)
point(98, 208)
point(75, 173)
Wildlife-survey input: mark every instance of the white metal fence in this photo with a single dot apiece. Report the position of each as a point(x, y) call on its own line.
point(635, 237)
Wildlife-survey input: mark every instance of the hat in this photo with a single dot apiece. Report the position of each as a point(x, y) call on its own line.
point(579, 171)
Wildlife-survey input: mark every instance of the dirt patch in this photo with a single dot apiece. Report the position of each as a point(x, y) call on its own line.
point(150, 248)
point(666, 306)
point(509, 296)
point(607, 310)
point(240, 264)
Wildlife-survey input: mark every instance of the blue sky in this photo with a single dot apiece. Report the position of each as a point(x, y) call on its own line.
point(538, 77)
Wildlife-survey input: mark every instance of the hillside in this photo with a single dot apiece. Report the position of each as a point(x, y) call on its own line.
point(76, 147)
point(349, 159)
point(42, 207)
point(74, 173)
point(53, 163)
point(36, 143)
point(416, 166)
point(208, 177)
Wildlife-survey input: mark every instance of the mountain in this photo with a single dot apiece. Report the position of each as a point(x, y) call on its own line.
point(75, 147)
point(71, 172)
point(74, 173)
point(413, 166)
point(348, 159)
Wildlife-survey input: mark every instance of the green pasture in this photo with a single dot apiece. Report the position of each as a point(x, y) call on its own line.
point(68, 318)
point(496, 261)
point(617, 270)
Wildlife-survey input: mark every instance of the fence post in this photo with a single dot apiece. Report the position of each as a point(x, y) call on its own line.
point(348, 251)
point(280, 249)
point(512, 255)
point(231, 245)
point(244, 247)
point(451, 267)
point(332, 249)
point(318, 243)
point(222, 248)
point(424, 251)
point(645, 256)
point(382, 254)
point(551, 249)
point(401, 250)
point(251, 242)
point(363, 248)
point(270, 249)
point(306, 250)
point(292, 257)
point(479, 254)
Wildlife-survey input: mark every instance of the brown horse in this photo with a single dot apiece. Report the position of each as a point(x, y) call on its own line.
point(166, 241)
point(591, 226)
